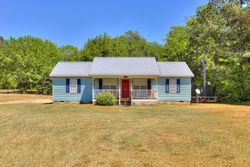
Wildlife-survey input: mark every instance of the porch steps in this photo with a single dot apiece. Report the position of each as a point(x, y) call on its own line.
point(126, 101)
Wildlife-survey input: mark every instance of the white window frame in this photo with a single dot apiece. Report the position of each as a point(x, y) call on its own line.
point(172, 85)
point(72, 85)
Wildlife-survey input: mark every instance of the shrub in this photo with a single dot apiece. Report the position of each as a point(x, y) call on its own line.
point(105, 99)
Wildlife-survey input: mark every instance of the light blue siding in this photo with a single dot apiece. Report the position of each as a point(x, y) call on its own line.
point(185, 90)
point(85, 96)
point(59, 91)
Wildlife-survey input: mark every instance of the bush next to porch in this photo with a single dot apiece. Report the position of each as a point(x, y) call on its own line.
point(105, 99)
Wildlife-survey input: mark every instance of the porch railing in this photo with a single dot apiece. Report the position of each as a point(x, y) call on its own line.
point(135, 93)
point(115, 92)
point(143, 94)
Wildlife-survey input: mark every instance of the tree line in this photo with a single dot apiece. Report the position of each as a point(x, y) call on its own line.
point(219, 32)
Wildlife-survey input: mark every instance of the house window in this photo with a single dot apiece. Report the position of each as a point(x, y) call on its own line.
point(73, 85)
point(140, 84)
point(172, 85)
point(109, 84)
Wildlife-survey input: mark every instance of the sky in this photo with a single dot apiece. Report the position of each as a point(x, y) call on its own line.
point(73, 22)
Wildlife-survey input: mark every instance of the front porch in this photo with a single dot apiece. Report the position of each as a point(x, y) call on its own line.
point(127, 90)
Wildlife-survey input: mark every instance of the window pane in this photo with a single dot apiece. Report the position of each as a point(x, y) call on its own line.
point(109, 83)
point(105, 87)
point(139, 84)
point(73, 86)
point(142, 82)
point(112, 82)
point(172, 86)
point(105, 82)
point(135, 87)
point(112, 87)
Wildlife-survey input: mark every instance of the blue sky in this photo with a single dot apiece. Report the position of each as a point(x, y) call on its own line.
point(75, 21)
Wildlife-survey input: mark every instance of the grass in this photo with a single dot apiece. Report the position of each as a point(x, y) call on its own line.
point(87, 135)
point(239, 103)
point(21, 97)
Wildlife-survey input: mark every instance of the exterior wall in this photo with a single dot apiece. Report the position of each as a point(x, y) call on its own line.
point(59, 91)
point(85, 96)
point(184, 95)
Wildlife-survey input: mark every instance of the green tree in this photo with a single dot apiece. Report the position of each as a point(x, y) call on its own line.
point(70, 53)
point(220, 33)
point(100, 46)
point(177, 44)
point(27, 62)
point(130, 44)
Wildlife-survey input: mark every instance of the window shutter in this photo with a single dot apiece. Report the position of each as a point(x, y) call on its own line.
point(178, 85)
point(78, 85)
point(67, 85)
point(167, 86)
point(149, 84)
point(100, 83)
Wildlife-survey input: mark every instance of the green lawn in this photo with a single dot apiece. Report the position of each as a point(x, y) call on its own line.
point(86, 135)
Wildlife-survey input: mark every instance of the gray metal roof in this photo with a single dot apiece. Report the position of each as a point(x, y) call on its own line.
point(174, 69)
point(124, 66)
point(71, 69)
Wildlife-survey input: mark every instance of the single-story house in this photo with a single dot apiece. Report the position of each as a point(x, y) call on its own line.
point(132, 80)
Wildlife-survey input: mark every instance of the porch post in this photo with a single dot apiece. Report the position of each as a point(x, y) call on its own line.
point(119, 86)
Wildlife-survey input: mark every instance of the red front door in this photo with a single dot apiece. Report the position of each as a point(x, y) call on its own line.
point(125, 88)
